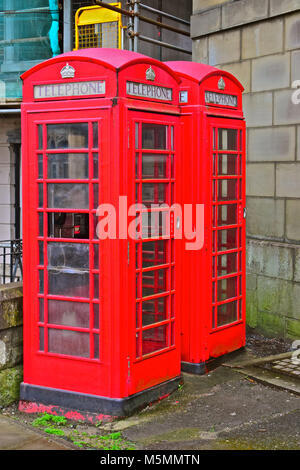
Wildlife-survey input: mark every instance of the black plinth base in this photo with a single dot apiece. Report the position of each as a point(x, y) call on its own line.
point(202, 368)
point(117, 407)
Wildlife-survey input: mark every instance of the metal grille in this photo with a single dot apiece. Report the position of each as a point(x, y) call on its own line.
point(99, 35)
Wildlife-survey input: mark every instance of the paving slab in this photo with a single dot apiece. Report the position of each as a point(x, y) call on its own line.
point(280, 370)
point(15, 436)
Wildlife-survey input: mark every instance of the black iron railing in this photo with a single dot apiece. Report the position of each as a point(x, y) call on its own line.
point(11, 267)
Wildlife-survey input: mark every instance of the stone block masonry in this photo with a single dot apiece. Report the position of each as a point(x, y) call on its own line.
point(259, 42)
point(11, 341)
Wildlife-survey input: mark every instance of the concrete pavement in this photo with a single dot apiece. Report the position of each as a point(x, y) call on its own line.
point(233, 407)
point(16, 436)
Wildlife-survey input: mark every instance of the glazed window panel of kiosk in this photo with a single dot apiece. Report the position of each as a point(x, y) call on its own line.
point(226, 197)
point(67, 176)
point(154, 160)
point(68, 165)
point(72, 135)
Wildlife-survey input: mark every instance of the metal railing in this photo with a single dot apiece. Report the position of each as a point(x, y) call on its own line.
point(135, 18)
point(11, 266)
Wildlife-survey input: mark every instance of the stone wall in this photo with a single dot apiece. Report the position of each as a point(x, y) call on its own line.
point(259, 42)
point(11, 341)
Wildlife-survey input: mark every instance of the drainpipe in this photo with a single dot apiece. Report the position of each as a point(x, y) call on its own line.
point(53, 33)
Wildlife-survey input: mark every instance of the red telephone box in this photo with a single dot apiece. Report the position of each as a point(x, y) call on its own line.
point(99, 128)
point(213, 174)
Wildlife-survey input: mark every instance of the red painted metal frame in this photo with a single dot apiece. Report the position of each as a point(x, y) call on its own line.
point(202, 340)
point(117, 373)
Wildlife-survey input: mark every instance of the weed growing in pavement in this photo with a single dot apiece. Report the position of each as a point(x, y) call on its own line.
point(80, 438)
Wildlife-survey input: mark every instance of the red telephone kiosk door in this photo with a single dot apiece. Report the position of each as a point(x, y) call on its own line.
point(226, 154)
point(154, 150)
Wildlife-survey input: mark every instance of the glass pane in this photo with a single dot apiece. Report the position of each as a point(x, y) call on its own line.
point(228, 164)
point(68, 195)
point(137, 166)
point(96, 286)
point(96, 232)
point(154, 136)
point(154, 166)
point(154, 311)
point(227, 214)
point(61, 312)
point(137, 314)
point(227, 190)
point(95, 135)
point(154, 253)
point(96, 256)
point(41, 195)
point(41, 310)
point(172, 167)
point(96, 346)
point(72, 343)
point(154, 282)
point(155, 224)
point(154, 193)
point(214, 218)
point(74, 135)
point(137, 344)
point(40, 166)
point(41, 281)
point(213, 292)
point(40, 136)
point(154, 339)
point(41, 253)
point(68, 255)
point(172, 306)
point(96, 165)
point(41, 339)
point(41, 224)
point(68, 225)
point(226, 313)
point(68, 165)
point(227, 288)
point(137, 285)
point(227, 264)
point(172, 334)
point(227, 239)
point(68, 283)
point(68, 265)
point(96, 195)
point(227, 139)
point(96, 316)
point(214, 190)
point(136, 135)
point(214, 171)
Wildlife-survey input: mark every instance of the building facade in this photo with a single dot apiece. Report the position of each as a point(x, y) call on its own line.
point(259, 42)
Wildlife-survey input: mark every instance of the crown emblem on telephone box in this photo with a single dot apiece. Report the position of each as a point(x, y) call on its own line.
point(67, 71)
point(221, 84)
point(150, 74)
